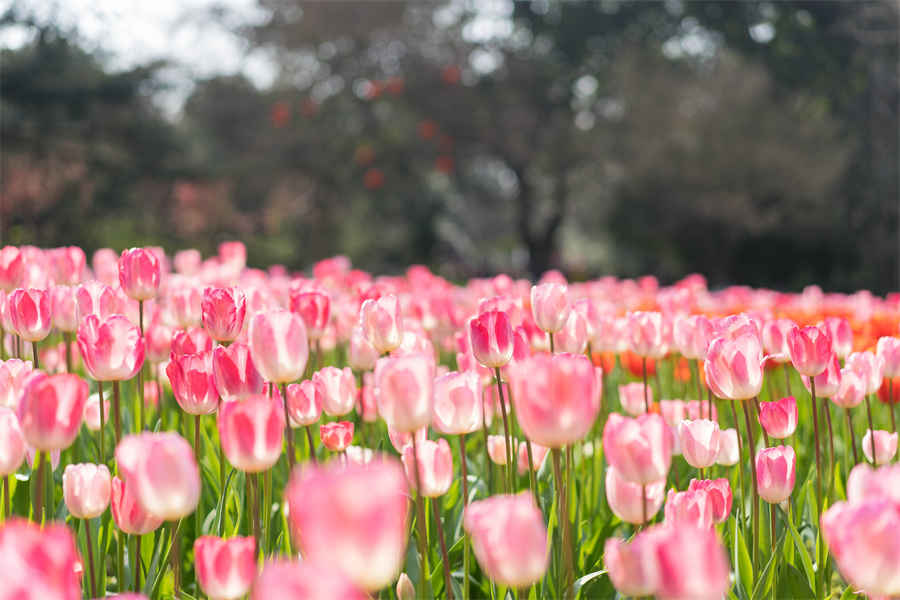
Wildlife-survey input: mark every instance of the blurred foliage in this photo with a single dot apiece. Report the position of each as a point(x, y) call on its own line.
point(754, 142)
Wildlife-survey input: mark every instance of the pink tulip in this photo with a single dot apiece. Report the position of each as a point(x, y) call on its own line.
point(86, 490)
point(361, 355)
point(496, 448)
point(733, 367)
point(234, 375)
point(774, 335)
point(630, 565)
point(549, 306)
point(405, 588)
point(183, 304)
point(405, 387)
point(538, 454)
point(14, 375)
point(352, 518)
point(865, 483)
point(64, 308)
point(338, 390)
point(30, 312)
point(693, 508)
point(250, 432)
point(358, 455)
point(307, 580)
point(68, 264)
point(11, 268)
point(828, 381)
point(557, 398)
point(692, 335)
point(336, 436)
point(112, 349)
point(491, 338)
point(573, 337)
point(158, 342)
point(457, 403)
point(304, 402)
point(888, 349)
point(31, 455)
point(840, 333)
point(95, 298)
point(776, 472)
point(728, 448)
point(720, 496)
point(381, 322)
point(851, 390)
point(868, 366)
point(631, 397)
point(435, 463)
point(509, 538)
point(38, 562)
point(51, 410)
point(640, 449)
point(187, 262)
point(278, 345)
point(314, 307)
point(12, 442)
point(673, 411)
point(690, 563)
point(779, 418)
point(225, 568)
point(193, 384)
point(646, 335)
point(92, 412)
point(163, 472)
point(610, 334)
point(105, 265)
point(139, 273)
point(127, 512)
point(810, 349)
point(401, 439)
point(223, 311)
point(625, 497)
point(885, 446)
point(191, 341)
point(699, 442)
point(699, 409)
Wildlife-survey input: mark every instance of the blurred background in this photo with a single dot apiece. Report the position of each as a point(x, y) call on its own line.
point(755, 142)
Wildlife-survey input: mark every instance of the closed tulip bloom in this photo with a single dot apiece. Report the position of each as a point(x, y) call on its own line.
point(307, 580)
point(405, 386)
point(779, 418)
point(338, 390)
point(776, 472)
point(352, 518)
point(720, 496)
point(112, 349)
point(774, 335)
point(12, 442)
point(631, 397)
point(640, 449)
point(361, 355)
point(225, 568)
point(729, 450)
point(828, 381)
point(868, 366)
point(645, 334)
point(191, 341)
point(538, 454)
point(699, 409)
point(692, 335)
point(624, 497)
point(491, 338)
point(690, 563)
point(223, 311)
point(67, 264)
point(163, 472)
point(336, 436)
point(38, 562)
point(86, 490)
point(64, 308)
point(550, 306)
point(810, 349)
point(573, 337)
point(30, 312)
point(556, 398)
point(92, 412)
point(193, 384)
point(435, 467)
point(304, 401)
point(496, 448)
point(851, 390)
point(401, 439)
point(405, 588)
point(457, 403)
point(699, 442)
point(381, 322)
point(139, 273)
point(188, 261)
point(841, 335)
point(128, 514)
point(251, 431)
point(733, 368)
point(691, 507)
point(888, 349)
point(509, 538)
point(885, 446)
point(11, 268)
point(278, 345)
point(314, 307)
point(95, 298)
point(630, 571)
point(51, 410)
point(673, 411)
point(234, 375)
point(14, 375)
point(610, 334)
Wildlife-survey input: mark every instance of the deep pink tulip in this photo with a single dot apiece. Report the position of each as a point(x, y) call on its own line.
point(95, 298)
point(251, 431)
point(193, 385)
point(304, 402)
point(139, 273)
point(435, 463)
point(14, 375)
point(733, 367)
point(382, 323)
point(841, 335)
point(338, 390)
point(225, 568)
point(851, 390)
point(128, 514)
point(86, 489)
point(64, 308)
point(38, 562)
point(692, 507)
point(888, 349)
point(336, 436)
point(645, 334)
point(774, 335)
point(163, 472)
point(692, 335)
point(31, 313)
point(362, 354)
point(314, 307)
point(496, 448)
point(885, 446)
point(557, 398)
point(699, 442)
point(11, 268)
point(776, 472)
point(631, 397)
point(810, 349)
point(234, 374)
point(112, 349)
point(12, 442)
point(278, 345)
point(779, 418)
point(640, 449)
point(352, 518)
point(550, 306)
point(191, 341)
point(491, 338)
point(869, 366)
point(690, 563)
point(720, 495)
point(307, 580)
point(728, 447)
point(630, 565)
point(223, 311)
point(828, 381)
point(624, 497)
point(457, 403)
point(405, 387)
point(51, 410)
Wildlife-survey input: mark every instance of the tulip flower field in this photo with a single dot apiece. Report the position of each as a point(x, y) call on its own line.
point(191, 427)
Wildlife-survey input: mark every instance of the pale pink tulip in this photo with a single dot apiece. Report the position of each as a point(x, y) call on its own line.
point(14, 375)
point(640, 449)
point(631, 397)
point(38, 562)
point(86, 490)
point(851, 390)
point(11, 268)
point(625, 497)
point(885, 446)
point(779, 418)
point(693, 508)
point(827, 382)
point(491, 338)
point(720, 496)
point(307, 580)
point(128, 514)
point(435, 462)
point(692, 335)
point(404, 393)
point(699, 442)
point(51, 410)
point(869, 367)
point(64, 308)
point(573, 337)
point(733, 367)
point(381, 322)
point(361, 355)
point(92, 412)
point(278, 345)
point(776, 472)
point(630, 565)
point(841, 335)
point(538, 455)
point(457, 403)
point(112, 349)
point(191, 341)
point(550, 306)
point(888, 348)
point(338, 390)
point(250, 432)
point(496, 448)
point(12, 442)
point(728, 448)
point(225, 568)
point(774, 335)
point(646, 335)
point(690, 563)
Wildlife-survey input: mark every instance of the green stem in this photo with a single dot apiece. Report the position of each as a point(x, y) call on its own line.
point(136, 562)
point(288, 432)
point(67, 340)
point(646, 388)
point(852, 437)
point(174, 556)
point(755, 513)
point(563, 505)
point(102, 424)
point(444, 557)
point(90, 554)
point(422, 536)
point(871, 428)
point(118, 411)
point(510, 485)
point(38, 491)
point(34, 354)
point(465, 486)
point(312, 444)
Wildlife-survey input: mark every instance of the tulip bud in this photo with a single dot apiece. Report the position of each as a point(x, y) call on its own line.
point(223, 311)
point(405, 589)
point(86, 490)
point(776, 472)
point(640, 449)
point(491, 338)
point(225, 568)
point(251, 432)
point(127, 513)
point(336, 436)
point(779, 418)
point(51, 410)
point(631, 397)
point(720, 496)
point(729, 448)
point(139, 273)
point(628, 500)
point(362, 354)
point(885, 446)
point(699, 442)
point(733, 367)
point(30, 312)
point(810, 349)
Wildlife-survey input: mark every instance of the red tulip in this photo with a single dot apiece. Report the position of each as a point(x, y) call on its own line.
point(733, 367)
point(625, 497)
point(314, 307)
point(338, 390)
point(381, 322)
point(12, 442)
point(776, 471)
point(304, 402)
point(810, 349)
point(457, 403)
point(336, 436)
point(550, 306)
point(234, 374)
point(405, 387)
point(11, 268)
point(307, 580)
point(112, 349)
point(51, 410)
point(223, 311)
point(30, 313)
point(251, 432)
point(193, 384)
point(86, 490)
point(139, 273)
point(278, 345)
point(127, 512)
point(720, 496)
point(491, 338)
point(640, 449)
point(779, 418)
point(38, 562)
point(225, 568)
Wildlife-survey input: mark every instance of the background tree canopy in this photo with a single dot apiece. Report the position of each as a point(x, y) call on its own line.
point(754, 142)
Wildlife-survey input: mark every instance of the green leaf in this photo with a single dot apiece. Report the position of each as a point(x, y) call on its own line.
point(742, 562)
point(805, 559)
point(764, 581)
point(839, 482)
point(793, 584)
point(581, 581)
point(848, 593)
